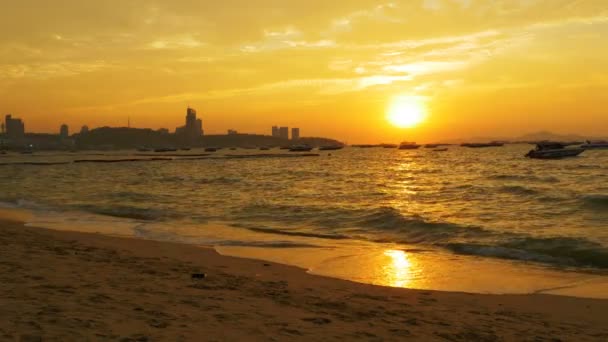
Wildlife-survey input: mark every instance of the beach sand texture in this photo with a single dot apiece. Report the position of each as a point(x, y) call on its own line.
point(68, 286)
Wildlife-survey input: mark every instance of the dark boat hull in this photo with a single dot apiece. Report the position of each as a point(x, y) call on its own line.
point(555, 154)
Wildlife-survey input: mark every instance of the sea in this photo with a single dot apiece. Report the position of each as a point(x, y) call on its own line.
point(474, 220)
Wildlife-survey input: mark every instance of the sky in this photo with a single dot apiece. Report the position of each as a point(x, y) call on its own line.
point(332, 68)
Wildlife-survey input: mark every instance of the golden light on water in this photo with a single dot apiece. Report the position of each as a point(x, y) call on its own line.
point(406, 112)
point(398, 272)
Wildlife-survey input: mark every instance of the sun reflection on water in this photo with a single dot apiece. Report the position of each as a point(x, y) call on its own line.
point(398, 272)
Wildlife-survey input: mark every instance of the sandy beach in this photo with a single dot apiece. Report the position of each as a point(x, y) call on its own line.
point(73, 286)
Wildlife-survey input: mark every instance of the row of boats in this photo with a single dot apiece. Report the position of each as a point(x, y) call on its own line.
point(543, 150)
point(294, 148)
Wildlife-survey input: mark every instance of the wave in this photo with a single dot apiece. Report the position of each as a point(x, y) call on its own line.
point(416, 229)
point(379, 224)
point(388, 225)
point(295, 233)
point(560, 251)
point(518, 190)
point(218, 180)
point(131, 212)
point(507, 177)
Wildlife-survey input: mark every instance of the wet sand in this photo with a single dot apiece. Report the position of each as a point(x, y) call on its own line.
point(70, 286)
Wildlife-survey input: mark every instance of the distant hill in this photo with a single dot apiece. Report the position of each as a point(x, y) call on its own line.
point(545, 135)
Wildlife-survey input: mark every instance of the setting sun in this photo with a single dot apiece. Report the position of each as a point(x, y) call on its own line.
point(406, 112)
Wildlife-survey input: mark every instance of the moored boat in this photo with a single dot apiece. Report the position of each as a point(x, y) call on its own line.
point(554, 151)
point(165, 149)
point(300, 148)
point(482, 145)
point(409, 146)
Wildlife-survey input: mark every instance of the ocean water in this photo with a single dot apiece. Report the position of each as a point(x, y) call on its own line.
point(483, 205)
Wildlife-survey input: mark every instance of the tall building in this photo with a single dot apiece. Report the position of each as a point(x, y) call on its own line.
point(64, 131)
point(275, 131)
point(193, 128)
point(232, 132)
point(190, 118)
point(15, 128)
point(295, 133)
point(84, 129)
point(284, 133)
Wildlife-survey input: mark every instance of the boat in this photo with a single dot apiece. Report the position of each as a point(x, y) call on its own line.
point(554, 151)
point(409, 146)
point(300, 148)
point(165, 149)
point(264, 148)
point(330, 148)
point(185, 148)
point(597, 145)
point(482, 145)
point(211, 149)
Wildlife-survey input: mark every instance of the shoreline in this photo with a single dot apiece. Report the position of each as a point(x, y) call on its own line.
point(74, 285)
point(400, 266)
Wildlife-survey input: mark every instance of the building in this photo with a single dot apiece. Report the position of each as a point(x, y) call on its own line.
point(15, 128)
point(275, 131)
point(64, 131)
point(163, 131)
point(232, 132)
point(84, 129)
point(193, 128)
point(284, 133)
point(295, 134)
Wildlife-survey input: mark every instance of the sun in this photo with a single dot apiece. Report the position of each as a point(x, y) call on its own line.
point(406, 112)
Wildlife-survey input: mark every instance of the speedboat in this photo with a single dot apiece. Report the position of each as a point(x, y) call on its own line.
point(409, 146)
point(300, 148)
point(554, 151)
point(482, 145)
point(597, 145)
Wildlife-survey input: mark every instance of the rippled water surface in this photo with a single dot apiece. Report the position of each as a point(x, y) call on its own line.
point(482, 202)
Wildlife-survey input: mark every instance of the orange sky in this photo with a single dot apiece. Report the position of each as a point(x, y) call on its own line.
point(483, 68)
